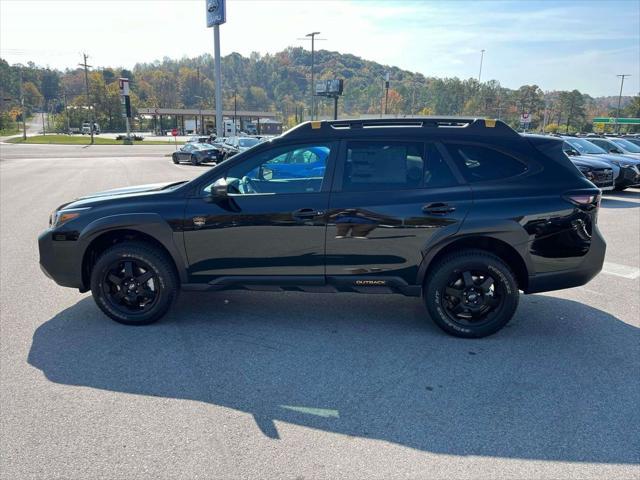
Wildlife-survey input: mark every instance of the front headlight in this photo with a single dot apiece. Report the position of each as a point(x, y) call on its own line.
point(60, 217)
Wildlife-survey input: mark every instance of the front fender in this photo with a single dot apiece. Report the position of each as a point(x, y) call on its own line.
point(150, 224)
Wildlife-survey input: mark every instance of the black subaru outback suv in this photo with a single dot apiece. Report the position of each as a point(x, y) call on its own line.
point(464, 212)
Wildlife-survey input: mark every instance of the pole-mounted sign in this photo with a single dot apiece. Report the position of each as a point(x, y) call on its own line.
point(216, 12)
point(216, 16)
point(125, 100)
point(123, 83)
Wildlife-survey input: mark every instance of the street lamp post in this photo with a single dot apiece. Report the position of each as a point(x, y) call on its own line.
point(620, 99)
point(313, 98)
point(481, 59)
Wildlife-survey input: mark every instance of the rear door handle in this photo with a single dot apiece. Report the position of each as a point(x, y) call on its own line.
point(438, 208)
point(306, 213)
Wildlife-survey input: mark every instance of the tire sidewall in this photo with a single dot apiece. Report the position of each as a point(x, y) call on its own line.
point(166, 285)
point(434, 294)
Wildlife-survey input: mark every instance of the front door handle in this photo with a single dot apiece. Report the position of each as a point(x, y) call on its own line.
point(306, 213)
point(438, 208)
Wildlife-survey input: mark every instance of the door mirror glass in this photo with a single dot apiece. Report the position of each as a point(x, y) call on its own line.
point(267, 173)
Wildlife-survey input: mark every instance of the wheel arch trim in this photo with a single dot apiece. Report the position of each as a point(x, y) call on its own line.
point(148, 224)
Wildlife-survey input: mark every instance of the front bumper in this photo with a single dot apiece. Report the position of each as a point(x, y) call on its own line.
point(61, 259)
point(629, 175)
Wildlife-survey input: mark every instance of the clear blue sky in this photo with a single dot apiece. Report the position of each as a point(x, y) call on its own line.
point(556, 44)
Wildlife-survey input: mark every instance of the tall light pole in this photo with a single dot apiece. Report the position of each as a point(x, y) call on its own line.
point(481, 59)
point(620, 99)
point(312, 35)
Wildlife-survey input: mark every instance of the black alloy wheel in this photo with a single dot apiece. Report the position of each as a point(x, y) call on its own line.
point(134, 282)
point(130, 286)
point(471, 294)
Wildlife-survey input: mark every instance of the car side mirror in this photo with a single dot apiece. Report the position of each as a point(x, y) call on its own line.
point(615, 150)
point(220, 188)
point(572, 153)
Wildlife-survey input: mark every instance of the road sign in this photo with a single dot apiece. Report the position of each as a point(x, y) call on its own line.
point(525, 118)
point(621, 121)
point(123, 83)
point(216, 12)
point(174, 132)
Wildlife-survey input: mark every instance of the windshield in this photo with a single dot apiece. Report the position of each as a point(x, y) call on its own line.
point(205, 146)
point(625, 144)
point(248, 142)
point(584, 146)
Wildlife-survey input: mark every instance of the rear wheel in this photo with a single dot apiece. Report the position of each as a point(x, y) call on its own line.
point(134, 283)
point(471, 294)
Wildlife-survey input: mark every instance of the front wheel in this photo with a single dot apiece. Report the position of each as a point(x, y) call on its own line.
point(134, 283)
point(471, 294)
point(194, 160)
point(175, 159)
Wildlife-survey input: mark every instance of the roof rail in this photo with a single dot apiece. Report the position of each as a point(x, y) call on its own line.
point(470, 123)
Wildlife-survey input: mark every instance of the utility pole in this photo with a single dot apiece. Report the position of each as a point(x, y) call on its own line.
point(235, 108)
point(66, 112)
point(313, 98)
point(481, 59)
point(386, 92)
point(24, 114)
point(86, 84)
point(620, 99)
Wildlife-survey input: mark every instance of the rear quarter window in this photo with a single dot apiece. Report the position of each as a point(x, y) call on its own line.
point(479, 163)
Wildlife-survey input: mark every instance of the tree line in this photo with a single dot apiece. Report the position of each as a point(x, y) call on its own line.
point(280, 82)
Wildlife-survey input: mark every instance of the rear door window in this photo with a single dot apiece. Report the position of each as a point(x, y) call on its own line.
point(479, 163)
point(382, 165)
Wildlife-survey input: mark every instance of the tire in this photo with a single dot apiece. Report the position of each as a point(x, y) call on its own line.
point(194, 160)
point(467, 274)
point(175, 159)
point(145, 259)
point(620, 189)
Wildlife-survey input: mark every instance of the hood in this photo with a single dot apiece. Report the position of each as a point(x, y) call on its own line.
point(588, 161)
point(150, 187)
point(117, 193)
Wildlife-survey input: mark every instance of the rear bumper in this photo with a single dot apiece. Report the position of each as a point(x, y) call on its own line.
point(59, 260)
point(588, 268)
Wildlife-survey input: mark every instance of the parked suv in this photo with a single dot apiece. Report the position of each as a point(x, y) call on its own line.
point(463, 212)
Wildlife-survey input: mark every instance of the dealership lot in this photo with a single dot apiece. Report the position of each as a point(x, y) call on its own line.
point(290, 385)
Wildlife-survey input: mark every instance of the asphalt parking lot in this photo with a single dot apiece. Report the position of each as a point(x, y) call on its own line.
point(303, 386)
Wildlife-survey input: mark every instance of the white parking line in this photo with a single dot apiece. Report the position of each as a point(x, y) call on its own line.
point(623, 271)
